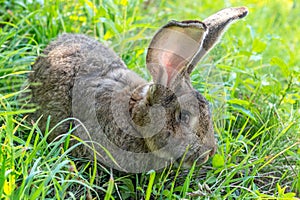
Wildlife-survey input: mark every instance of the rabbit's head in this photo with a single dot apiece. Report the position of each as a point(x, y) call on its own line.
point(172, 116)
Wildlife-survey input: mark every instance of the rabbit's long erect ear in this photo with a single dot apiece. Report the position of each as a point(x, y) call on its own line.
point(217, 24)
point(172, 49)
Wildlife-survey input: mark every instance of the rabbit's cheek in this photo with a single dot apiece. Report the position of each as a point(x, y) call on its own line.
point(158, 141)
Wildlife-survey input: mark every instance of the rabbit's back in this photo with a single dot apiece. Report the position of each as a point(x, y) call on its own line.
point(73, 52)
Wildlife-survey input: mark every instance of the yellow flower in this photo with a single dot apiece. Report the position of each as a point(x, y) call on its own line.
point(9, 185)
point(108, 35)
point(124, 2)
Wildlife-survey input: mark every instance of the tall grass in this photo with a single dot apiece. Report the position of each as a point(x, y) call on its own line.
point(252, 79)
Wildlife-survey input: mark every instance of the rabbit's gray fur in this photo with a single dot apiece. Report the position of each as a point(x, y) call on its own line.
point(55, 73)
point(123, 101)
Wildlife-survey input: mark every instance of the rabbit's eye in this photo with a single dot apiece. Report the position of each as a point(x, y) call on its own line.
point(184, 117)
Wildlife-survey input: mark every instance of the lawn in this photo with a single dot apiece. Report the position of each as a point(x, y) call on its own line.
point(251, 79)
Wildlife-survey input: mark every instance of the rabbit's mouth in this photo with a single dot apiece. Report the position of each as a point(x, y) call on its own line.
point(199, 158)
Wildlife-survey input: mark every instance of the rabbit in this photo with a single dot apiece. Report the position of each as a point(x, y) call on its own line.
point(131, 124)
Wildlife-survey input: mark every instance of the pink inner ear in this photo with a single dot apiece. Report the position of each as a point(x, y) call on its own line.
point(172, 63)
point(172, 49)
point(166, 59)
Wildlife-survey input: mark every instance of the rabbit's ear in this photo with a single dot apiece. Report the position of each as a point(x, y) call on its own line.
point(172, 49)
point(217, 24)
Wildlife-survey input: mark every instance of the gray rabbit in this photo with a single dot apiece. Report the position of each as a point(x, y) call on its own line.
point(131, 124)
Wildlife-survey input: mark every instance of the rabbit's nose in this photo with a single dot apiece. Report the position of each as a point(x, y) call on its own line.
point(213, 151)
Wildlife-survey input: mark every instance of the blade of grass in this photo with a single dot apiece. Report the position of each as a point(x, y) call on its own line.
point(150, 184)
point(110, 188)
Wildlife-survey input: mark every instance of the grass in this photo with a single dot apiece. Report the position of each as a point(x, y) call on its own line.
point(252, 79)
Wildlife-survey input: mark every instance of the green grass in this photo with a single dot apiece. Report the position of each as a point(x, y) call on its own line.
point(252, 79)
